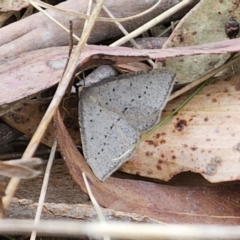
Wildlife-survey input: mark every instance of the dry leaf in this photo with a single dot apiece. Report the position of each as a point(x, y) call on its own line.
point(18, 168)
point(200, 25)
point(203, 137)
point(203, 205)
point(16, 83)
point(38, 31)
point(132, 67)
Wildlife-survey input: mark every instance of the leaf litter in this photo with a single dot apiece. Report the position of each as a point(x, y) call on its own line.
point(115, 203)
point(51, 65)
point(200, 25)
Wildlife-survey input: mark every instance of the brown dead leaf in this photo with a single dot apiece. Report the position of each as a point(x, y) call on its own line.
point(132, 67)
point(15, 170)
point(203, 137)
point(13, 5)
point(20, 168)
point(47, 65)
point(209, 205)
point(46, 70)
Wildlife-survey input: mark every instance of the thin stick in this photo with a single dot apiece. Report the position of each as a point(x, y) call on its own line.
point(168, 29)
point(44, 188)
point(125, 32)
point(95, 204)
point(152, 23)
point(68, 91)
point(122, 230)
point(101, 19)
point(88, 14)
point(54, 20)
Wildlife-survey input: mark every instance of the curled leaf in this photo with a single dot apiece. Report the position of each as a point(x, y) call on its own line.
point(17, 168)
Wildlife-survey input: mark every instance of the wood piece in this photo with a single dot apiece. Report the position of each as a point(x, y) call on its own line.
point(24, 208)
